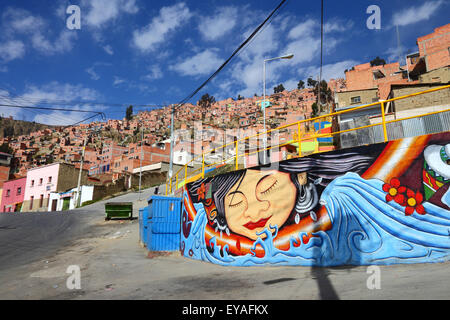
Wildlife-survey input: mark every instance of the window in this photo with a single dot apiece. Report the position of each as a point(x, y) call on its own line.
point(8, 193)
point(19, 191)
point(32, 183)
point(414, 60)
point(49, 179)
point(355, 99)
point(40, 181)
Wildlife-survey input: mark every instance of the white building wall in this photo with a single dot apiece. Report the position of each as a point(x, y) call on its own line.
point(87, 194)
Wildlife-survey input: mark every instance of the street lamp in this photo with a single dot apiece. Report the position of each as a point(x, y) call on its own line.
point(263, 104)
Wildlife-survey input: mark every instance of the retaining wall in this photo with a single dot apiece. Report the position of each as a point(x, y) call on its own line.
point(378, 204)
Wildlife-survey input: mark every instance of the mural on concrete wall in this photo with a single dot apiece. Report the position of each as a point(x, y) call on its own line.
point(378, 204)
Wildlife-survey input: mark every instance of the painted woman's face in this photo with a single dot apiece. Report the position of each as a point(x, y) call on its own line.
point(263, 198)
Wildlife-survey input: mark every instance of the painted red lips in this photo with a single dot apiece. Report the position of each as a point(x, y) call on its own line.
point(259, 224)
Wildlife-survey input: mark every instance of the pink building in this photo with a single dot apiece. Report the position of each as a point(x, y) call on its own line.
point(13, 195)
point(41, 181)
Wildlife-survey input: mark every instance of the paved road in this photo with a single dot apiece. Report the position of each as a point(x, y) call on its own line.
point(36, 250)
point(26, 237)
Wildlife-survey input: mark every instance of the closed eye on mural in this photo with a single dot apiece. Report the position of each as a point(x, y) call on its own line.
point(237, 199)
point(266, 185)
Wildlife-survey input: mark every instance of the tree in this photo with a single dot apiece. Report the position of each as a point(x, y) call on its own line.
point(6, 149)
point(315, 110)
point(301, 85)
point(311, 82)
point(129, 113)
point(326, 95)
point(205, 103)
point(279, 88)
point(377, 62)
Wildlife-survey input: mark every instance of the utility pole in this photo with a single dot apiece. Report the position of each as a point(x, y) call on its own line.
point(140, 161)
point(79, 175)
point(171, 147)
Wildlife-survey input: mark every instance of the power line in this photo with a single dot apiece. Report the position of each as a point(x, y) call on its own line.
point(40, 101)
point(74, 124)
point(42, 108)
point(232, 55)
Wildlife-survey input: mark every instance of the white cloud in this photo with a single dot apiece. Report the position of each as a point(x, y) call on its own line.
point(266, 41)
point(216, 26)
point(11, 50)
point(21, 23)
point(290, 84)
point(305, 28)
point(155, 73)
point(169, 19)
point(58, 91)
point(199, 64)
point(63, 43)
point(109, 50)
point(285, 35)
point(250, 76)
point(329, 71)
point(413, 15)
point(94, 75)
point(101, 12)
point(337, 25)
point(304, 50)
point(118, 81)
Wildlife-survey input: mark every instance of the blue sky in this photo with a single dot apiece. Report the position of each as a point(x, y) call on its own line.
point(157, 52)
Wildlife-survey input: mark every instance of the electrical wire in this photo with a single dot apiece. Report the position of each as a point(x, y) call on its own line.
point(241, 46)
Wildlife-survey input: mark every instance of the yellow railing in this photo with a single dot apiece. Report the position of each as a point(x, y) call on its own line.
point(200, 172)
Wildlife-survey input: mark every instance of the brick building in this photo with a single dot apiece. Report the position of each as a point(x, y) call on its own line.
point(435, 48)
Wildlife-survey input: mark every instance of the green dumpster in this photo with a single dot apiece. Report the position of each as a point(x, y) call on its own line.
point(119, 210)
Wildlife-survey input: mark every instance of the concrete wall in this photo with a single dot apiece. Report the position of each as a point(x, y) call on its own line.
point(149, 179)
point(436, 98)
point(378, 204)
point(343, 99)
point(441, 75)
point(68, 177)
